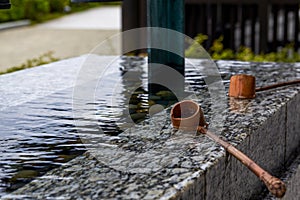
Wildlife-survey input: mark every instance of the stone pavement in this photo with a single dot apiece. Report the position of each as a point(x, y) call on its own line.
point(69, 36)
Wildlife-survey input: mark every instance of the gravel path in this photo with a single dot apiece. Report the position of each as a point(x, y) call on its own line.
point(69, 36)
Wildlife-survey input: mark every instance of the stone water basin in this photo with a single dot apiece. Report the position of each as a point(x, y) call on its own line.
point(151, 159)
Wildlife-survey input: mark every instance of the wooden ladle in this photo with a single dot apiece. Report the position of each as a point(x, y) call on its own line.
point(187, 115)
point(242, 86)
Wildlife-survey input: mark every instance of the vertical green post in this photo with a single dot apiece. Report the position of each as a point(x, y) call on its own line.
point(167, 14)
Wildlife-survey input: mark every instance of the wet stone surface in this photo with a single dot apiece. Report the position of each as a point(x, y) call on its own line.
point(36, 128)
point(151, 160)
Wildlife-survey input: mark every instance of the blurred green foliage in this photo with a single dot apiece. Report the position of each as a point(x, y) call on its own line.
point(35, 9)
point(58, 5)
point(42, 10)
point(217, 52)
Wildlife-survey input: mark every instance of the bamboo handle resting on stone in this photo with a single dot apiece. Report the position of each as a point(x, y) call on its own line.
point(274, 185)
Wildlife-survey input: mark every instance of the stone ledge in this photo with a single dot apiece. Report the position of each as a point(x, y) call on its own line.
point(15, 24)
point(169, 164)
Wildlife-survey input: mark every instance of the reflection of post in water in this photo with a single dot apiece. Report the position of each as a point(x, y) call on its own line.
point(168, 14)
point(135, 96)
point(136, 103)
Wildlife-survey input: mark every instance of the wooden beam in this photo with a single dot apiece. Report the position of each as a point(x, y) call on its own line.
point(167, 14)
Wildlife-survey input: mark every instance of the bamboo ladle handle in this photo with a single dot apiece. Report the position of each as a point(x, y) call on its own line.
point(274, 185)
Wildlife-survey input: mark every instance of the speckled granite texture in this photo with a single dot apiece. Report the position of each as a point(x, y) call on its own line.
point(170, 164)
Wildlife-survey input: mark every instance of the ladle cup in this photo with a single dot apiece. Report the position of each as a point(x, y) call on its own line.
point(187, 115)
point(242, 86)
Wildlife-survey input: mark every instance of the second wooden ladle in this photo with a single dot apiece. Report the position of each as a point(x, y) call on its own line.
point(242, 86)
point(187, 115)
